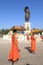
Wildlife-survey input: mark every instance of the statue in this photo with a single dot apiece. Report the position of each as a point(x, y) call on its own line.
point(27, 14)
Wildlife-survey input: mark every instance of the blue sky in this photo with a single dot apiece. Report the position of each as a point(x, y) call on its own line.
point(12, 13)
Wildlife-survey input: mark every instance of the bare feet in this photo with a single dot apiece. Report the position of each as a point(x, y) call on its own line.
point(15, 62)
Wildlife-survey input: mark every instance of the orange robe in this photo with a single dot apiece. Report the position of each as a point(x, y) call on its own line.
point(33, 44)
point(14, 52)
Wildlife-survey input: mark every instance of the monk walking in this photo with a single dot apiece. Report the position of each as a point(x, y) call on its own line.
point(33, 43)
point(14, 51)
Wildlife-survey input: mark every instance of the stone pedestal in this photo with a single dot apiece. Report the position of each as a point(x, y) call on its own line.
point(27, 26)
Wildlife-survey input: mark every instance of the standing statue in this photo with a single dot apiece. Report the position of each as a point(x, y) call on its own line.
point(27, 14)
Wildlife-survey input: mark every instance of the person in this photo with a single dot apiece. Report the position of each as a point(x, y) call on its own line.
point(41, 36)
point(14, 51)
point(33, 43)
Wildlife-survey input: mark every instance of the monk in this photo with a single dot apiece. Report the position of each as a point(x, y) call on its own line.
point(33, 43)
point(14, 51)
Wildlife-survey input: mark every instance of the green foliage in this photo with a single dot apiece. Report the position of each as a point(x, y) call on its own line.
point(4, 31)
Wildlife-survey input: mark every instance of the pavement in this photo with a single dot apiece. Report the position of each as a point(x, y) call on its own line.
point(26, 58)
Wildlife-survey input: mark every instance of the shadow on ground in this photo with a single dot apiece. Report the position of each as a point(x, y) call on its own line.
point(28, 49)
point(27, 64)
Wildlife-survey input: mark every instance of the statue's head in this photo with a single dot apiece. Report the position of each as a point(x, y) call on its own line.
point(26, 9)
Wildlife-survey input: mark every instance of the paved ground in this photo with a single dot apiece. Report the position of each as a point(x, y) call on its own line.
point(26, 58)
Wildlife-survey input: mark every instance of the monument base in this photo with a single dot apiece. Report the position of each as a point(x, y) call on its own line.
point(27, 26)
point(27, 32)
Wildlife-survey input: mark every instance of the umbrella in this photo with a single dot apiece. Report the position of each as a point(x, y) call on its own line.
point(18, 28)
point(35, 30)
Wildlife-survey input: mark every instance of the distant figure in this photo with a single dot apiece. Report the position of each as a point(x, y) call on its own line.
point(33, 43)
point(14, 51)
point(41, 36)
point(27, 14)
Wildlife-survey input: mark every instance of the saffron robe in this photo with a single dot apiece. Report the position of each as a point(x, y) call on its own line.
point(14, 51)
point(33, 44)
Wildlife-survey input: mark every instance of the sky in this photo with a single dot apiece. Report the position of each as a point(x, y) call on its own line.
point(12, 13)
